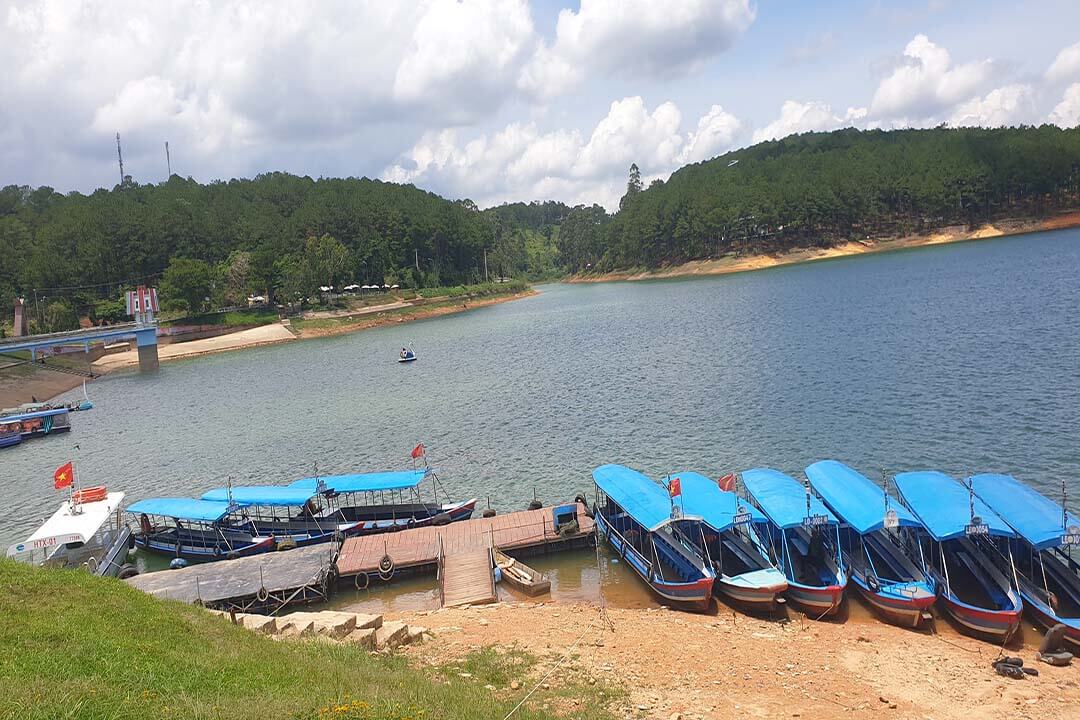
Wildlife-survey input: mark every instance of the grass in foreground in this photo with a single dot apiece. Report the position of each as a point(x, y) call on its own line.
point(76, 646)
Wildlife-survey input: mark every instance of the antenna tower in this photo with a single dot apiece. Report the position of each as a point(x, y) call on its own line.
point(168, 161)
point(120, 157)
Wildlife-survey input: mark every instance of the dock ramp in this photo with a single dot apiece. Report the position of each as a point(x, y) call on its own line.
point(467, 578)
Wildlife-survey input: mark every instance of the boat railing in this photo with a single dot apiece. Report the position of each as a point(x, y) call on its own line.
point(627, 547)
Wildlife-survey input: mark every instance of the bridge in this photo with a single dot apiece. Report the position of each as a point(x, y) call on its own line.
point(145, 335)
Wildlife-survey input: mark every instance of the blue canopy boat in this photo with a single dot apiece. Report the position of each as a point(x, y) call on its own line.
point(804, 537)
point(194, 529)
point(879, 540)
point(1048, 575)
point(634, 515)
point(728, 540)
point(294, 516)
point(973, 577)
point(382, 501)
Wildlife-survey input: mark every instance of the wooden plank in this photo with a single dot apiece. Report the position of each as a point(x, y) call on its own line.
point(467, 579)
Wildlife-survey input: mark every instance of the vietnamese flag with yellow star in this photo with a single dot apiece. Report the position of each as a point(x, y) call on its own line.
point(63, 476)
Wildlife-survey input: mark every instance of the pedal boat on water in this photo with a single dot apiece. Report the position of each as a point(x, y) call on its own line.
point(635, 516)
point(1047, 534)
point(392, 500)
point(974, 572)
point(803, 537)
point(729, 540)
point(879, 542)
point(193, 529)
point(87, 531)
point(406, 355)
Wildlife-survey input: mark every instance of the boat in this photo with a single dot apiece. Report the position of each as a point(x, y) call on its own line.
point(729, 540)
point(974, 579)
point(194, 529)
point(390, 500)
point(406, 355)
point(804, 537)
point(293, 516)
point(10, 435)
point(521, 576)
point(1047, 573)
point(87, 531)
point(879, 542)
point(36, 419)
point(637, 518)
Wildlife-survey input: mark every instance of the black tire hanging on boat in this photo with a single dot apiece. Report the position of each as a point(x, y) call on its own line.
point(218, 550)
point(127, 571)
point(386, 567)
point(131, 541)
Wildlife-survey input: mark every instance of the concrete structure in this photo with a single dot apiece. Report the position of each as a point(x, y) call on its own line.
point(21, 326)
point(145, 338)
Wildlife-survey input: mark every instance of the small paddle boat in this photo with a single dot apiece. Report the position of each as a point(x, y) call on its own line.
point(406, 355)
point(879, 540)
point(804, 538)
point(974, 576)
point(522, 577)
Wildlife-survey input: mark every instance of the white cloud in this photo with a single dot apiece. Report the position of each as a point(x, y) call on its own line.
point(634, 37)
point(1008, 105)
point(1066, 65)
point(1067, 112)
point(520, 161)
point(798, 117)
point(927, 83)
point(716, 132)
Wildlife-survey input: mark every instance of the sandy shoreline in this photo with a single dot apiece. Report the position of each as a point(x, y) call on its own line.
point(665, 664)
point(20, 387)
point(748, 263)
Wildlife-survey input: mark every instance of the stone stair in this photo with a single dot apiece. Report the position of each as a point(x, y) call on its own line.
point(366, 630)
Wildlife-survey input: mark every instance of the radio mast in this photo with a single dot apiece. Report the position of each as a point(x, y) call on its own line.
point(120, 157)
point(168, 162)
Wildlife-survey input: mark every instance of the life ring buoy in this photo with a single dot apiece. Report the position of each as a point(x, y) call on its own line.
point(90, 494)
point(144, 524)
point(356, 581)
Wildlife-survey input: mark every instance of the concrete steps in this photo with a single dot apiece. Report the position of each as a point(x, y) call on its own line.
point(369, 631)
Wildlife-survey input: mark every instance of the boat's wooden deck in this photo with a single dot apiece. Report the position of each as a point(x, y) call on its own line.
point(420, 546)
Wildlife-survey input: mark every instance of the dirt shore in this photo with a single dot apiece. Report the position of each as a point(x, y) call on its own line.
point(665, 664)
point(726, 265)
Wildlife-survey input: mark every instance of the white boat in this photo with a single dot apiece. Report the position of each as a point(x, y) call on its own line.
point(90, 535)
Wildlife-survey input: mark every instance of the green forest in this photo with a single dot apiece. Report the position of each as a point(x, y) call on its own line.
point(211, 245)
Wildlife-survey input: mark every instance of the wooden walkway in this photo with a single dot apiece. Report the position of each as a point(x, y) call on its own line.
point(529, 529)
point(467, 578)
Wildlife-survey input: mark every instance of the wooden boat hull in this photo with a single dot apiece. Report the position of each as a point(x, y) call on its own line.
point(905, 612)
point(756, 598)
point(1045, 618)
point(816, 601)
point(520, 576)
point(695, 596)
point(191, 552)
point(994, 625)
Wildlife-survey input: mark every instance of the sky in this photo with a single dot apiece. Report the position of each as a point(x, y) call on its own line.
point(500, 100)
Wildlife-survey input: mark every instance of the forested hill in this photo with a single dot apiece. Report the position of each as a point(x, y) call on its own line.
point(825, 188)
point(84, 246)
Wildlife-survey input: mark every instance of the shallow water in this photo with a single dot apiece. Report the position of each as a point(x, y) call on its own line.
point(962, 358)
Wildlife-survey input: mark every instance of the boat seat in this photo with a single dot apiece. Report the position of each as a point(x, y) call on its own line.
point(997, 597)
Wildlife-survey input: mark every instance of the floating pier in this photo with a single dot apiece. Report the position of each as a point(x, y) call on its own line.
point(261, 583)
point(461, 552)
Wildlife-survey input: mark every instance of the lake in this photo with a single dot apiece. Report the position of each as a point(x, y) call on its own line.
point(963, 358)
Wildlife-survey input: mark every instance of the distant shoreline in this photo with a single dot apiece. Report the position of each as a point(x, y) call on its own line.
point(46, 384)
point(747, 263)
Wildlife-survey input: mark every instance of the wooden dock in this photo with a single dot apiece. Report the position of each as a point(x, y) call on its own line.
point(467, 578)
point(426, 548)
point(260, 583)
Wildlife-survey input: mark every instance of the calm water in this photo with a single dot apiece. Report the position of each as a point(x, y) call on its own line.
point(963, 358)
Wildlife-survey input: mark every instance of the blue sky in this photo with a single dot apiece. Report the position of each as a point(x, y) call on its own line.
point(500, 100)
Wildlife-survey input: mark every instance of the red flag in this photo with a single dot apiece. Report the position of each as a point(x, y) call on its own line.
point(417, 451)
point(727, 482)
point(675, 487)
point(63, 476)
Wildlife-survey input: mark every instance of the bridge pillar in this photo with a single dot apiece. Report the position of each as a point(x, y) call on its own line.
point(146, 342)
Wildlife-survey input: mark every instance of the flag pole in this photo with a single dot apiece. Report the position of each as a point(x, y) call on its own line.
point(74, 480)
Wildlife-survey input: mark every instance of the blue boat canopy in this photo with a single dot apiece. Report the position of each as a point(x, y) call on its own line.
point(263, 495)
point(717, 508)
point(33, 414)
point(365, 482)
point(854, 498)
point(942, 504)
point(1036, 517)
point(645, 501)
point(183, 509)
point(782, 498)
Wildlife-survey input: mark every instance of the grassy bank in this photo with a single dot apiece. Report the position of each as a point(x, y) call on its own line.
point(232, 318)
point(76, 646)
